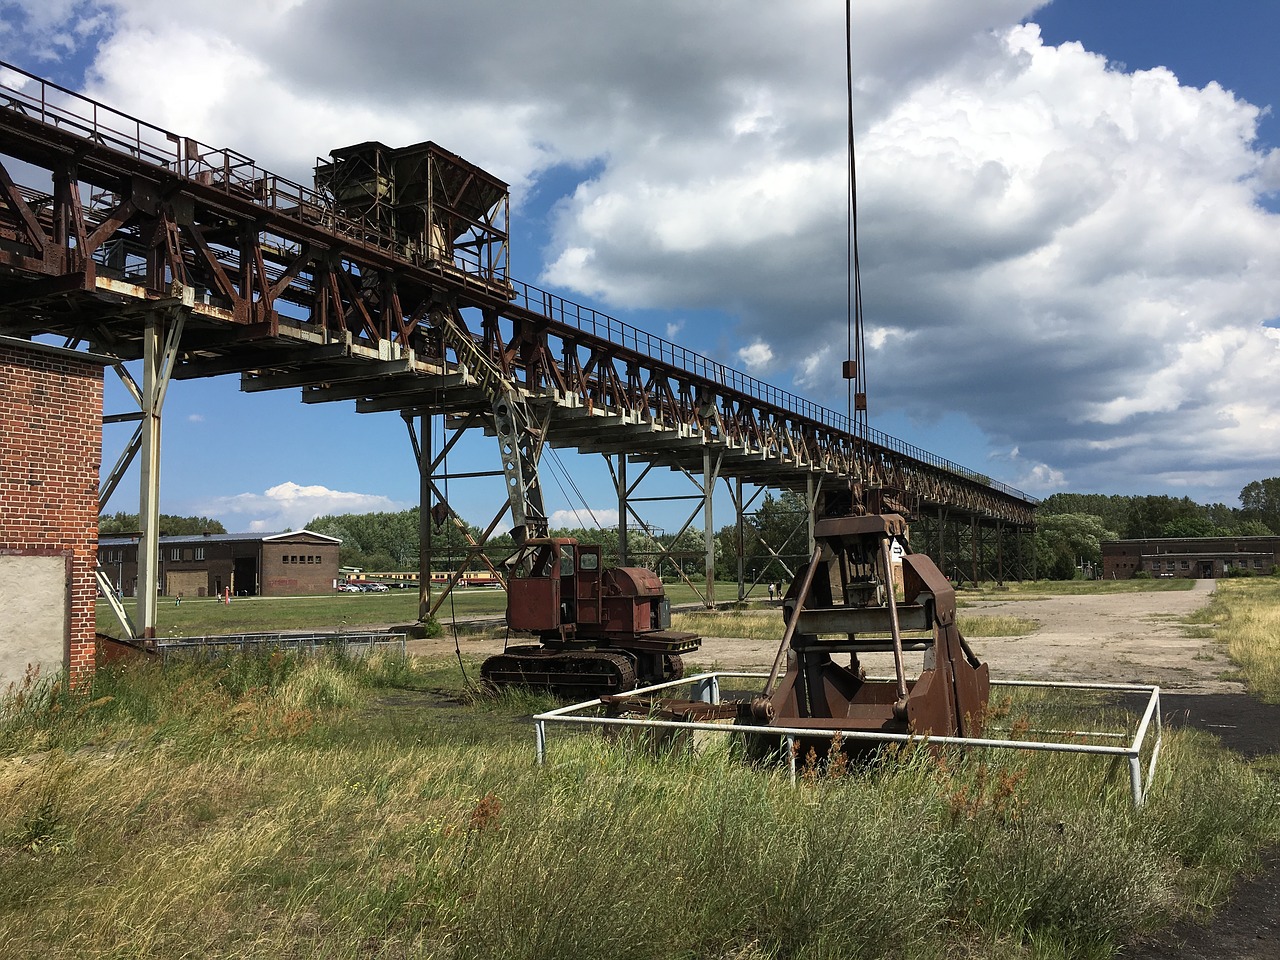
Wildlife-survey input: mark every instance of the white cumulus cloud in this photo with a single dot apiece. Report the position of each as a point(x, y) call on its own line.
point(583, 518)
point(292, 505)
point(756, 356)
point(1075, 257)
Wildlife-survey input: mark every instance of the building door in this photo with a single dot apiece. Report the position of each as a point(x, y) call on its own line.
point(245, 576)
point(1206, 569)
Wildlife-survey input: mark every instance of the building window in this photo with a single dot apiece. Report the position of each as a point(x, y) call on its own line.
point(199, 553)
point(175, 553)
point(284, 558)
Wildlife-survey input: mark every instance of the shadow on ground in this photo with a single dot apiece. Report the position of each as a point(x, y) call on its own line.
point(1248, 927)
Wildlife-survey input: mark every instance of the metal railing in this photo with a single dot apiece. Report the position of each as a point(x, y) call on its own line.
point(308, 643)
point(604, 327)
point(707, 689)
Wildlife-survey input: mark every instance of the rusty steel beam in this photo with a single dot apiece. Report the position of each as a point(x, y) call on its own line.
point(278, 275)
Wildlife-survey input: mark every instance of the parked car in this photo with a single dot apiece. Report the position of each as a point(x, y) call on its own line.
point(349, 588)
point(375, 588)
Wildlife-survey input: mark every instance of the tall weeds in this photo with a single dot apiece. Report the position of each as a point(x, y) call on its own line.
point(369, 809)
point(1245, 614)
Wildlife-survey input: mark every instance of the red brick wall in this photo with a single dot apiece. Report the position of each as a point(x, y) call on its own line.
point(50, 452)
point(311, 568)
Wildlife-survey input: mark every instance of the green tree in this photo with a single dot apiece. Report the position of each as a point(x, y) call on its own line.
point(686, 552)
point(727, 552)
point(1113, 509)
point(390, 540)
point(1225, 520)
point(777, 538)
point(1252, 528)
point(1189, 527)
point(170, 525)
point(1260, 501)
point(605, 538)
point(1065, 540)
point(1149, 516)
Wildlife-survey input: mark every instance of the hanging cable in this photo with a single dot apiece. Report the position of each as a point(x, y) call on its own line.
point(556, 461)
point(855, 367)
point(581, 496)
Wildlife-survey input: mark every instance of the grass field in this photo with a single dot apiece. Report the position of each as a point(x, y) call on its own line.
point(267, 807)
point(1032, 589)
point(336, 611)
point(343, 611)
point(1245, 615)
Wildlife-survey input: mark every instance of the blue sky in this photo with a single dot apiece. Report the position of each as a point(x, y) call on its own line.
point(1067, 235)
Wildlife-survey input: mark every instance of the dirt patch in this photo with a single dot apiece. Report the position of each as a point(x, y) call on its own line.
point(1116, 638)
point(1243, 724)
point(1245, 928)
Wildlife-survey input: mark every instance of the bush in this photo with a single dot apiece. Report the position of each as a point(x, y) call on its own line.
point(1141, 575)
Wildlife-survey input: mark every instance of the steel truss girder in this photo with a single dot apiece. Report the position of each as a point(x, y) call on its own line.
point(969, 548)
point(710, 468)
point(267, 255)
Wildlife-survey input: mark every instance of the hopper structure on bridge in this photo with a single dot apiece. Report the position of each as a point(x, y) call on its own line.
point(385, 283)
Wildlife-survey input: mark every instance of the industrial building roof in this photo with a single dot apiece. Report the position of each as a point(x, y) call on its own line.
point(117, 540)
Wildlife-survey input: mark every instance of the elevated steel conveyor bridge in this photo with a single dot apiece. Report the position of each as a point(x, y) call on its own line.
point(386, 283)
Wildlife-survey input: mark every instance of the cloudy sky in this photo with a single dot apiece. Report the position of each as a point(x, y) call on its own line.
point(1067, 225)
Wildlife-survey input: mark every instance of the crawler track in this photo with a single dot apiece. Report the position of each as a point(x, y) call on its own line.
point(575, 674)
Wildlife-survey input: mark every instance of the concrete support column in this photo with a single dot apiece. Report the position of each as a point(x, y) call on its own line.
point(157, 367)
point(149, 478)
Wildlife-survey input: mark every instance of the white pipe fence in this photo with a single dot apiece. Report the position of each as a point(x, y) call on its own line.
point(706, 687)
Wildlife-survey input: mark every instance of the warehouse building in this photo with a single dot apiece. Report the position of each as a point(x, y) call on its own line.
point(1201, 558)
point(248, 564)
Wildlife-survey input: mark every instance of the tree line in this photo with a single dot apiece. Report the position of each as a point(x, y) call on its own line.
point(123, 524)
point(1070, 527)
point(389, 541)
point(1070, 530)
